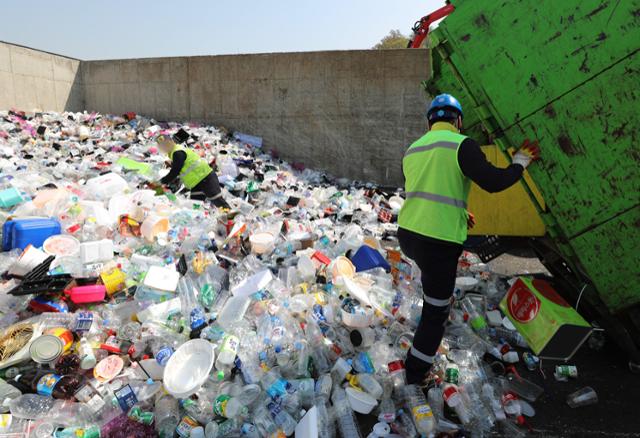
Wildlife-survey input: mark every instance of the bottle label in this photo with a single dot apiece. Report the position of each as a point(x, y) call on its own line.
point(567, 370)
point(231, 344)
point(197, 319)
point(220, 405)
point(46, 384)
point(186, 425)
point(126, 398)
point(421, 412)
point(278, 388)
point(163, 355)
point(83, 323)
point(274, 409)
point(451, 375)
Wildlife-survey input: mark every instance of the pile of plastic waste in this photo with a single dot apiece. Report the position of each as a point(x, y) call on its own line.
point(130, 311)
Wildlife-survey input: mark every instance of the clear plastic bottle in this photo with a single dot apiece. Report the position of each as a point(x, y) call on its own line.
point(523, 388)
point(512, 407)
point(387, 411)
point(476, 320)
point(344, 416)
point(263, 421)
point(227, 352)
point(31, 406)
point(229, 407)
point(493, 401)
point(419, 409)
point(282, 418)
point(407, 429)
point(7, 393)
point(323, 387)
point(511, 336)
point(435, 400)
point(326, 426)
point(287, 248)
point(167, 416)
point(454, 400)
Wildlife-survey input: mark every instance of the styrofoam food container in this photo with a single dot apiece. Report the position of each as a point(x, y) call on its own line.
point(262, 242)
point(188, 368)
point(360, 401)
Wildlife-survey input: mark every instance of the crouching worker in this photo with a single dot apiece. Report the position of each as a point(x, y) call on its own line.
point(194, 172)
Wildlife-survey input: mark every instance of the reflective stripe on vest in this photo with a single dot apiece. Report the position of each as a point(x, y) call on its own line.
point(436, 189)
point(194, 170)
point(437, 198)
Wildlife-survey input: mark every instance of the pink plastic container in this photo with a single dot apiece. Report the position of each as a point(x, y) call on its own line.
point(87, 294)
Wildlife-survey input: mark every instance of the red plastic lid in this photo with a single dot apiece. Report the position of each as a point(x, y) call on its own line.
point(449, 391)
point(396, 365)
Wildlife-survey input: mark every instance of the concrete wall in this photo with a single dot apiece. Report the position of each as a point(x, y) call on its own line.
point(351, 113)
point(31, 79)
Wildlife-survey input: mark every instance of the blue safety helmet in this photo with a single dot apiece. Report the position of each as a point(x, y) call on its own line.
point(444, 106)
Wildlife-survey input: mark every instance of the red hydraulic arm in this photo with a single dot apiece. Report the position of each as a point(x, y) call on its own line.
point(421, 28)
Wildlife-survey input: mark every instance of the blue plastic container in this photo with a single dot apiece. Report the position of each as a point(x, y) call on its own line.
point(20, 233)
point(367, 258)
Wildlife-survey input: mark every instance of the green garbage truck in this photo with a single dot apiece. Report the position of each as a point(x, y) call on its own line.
point(567, 74)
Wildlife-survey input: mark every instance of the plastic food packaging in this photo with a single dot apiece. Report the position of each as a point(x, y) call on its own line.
point(188, 368)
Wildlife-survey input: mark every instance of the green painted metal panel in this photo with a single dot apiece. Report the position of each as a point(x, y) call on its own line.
point(566, 73)
point(612, 262)
point(526, 53)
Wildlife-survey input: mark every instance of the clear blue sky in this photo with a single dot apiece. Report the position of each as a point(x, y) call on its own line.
point(130, 29)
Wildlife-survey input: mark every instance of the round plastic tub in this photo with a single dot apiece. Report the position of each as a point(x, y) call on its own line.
point(188, 368)
point(61, 245)
point(262, 242)
point(360, 401)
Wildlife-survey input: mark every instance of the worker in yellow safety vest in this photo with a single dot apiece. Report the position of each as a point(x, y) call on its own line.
point(433, 221)
point(193, 171)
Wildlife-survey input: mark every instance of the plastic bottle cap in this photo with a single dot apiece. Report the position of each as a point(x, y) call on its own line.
point(46, 348)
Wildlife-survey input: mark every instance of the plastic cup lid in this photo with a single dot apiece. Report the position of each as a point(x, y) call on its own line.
point(108, 368)
point(46, 348)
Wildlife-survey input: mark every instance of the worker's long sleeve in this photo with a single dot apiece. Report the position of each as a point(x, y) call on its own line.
point(475, 166)
point(177, 161)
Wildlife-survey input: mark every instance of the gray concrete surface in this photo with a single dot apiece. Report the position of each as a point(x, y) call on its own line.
point(349, 112)
point(31, 79)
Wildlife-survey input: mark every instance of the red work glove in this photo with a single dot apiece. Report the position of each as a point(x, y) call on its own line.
point(527, 153)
